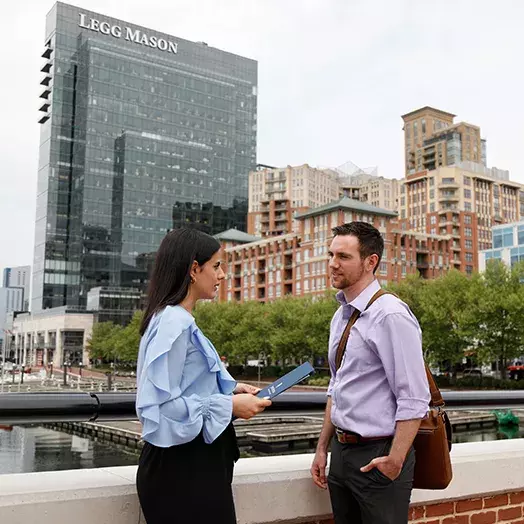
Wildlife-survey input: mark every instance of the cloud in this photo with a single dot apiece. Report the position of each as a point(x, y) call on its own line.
point(334, 78)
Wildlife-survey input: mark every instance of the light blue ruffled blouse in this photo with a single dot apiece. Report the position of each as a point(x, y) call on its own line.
point(182, 385)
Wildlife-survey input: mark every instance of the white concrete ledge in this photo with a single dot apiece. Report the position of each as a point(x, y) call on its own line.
point(267, 489)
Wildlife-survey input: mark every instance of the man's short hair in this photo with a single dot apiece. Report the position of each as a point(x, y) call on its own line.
point(369, 238)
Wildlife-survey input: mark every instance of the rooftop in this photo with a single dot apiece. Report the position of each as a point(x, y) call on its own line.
point(346, 204)
point(234, 235)
point(428, 108)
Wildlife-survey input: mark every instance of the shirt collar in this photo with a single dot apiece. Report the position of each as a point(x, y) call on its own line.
point(362, 300)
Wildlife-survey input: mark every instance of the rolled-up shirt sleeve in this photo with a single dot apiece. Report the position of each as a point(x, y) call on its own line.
point(397, 340)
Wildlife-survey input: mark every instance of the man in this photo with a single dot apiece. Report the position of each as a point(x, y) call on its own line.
point(377, 396)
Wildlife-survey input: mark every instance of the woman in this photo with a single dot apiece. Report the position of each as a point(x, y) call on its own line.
point(186, 399)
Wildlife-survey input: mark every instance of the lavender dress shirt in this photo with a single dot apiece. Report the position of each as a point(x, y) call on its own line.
point(382, 378)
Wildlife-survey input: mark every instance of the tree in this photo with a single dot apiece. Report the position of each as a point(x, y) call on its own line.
point(410, 291)
point(104, 337)
point(316, 322)
point(127, 341)
point(498, 313)
point(446, 330)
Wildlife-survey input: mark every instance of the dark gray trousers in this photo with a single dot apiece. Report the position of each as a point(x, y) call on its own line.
point(368, 498)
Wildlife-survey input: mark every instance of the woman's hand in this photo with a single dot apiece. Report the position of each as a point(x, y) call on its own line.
point(246, 388)
point(246, 405)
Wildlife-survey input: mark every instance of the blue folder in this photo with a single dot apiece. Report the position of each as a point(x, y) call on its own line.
point(287, 381)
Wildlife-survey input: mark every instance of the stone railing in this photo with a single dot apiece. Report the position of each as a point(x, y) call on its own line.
point(488, 487)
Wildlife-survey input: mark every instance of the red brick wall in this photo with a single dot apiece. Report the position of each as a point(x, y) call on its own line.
point(507, 508)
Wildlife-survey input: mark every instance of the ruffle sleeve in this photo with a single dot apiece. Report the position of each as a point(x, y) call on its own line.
point(168, 416)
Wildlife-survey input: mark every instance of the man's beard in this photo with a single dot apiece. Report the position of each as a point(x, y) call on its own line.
point(349, 281)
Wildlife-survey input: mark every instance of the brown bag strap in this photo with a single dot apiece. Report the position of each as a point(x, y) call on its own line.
point(436, 396)
point(343, 341)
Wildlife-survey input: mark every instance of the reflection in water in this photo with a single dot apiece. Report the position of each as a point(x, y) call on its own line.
point(29, 449)
point(479, 435)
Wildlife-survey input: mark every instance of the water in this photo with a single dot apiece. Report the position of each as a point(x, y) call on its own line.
point(480, 435)
point(34, 448)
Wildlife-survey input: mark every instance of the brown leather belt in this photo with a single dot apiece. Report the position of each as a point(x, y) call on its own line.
point(348, 437)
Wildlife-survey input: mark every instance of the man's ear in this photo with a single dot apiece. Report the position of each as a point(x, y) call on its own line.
point(373, 261)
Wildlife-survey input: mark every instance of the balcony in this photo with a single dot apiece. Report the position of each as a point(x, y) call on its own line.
point(275, 190)
point(449, 197)
point(47, 67)
point(46, 80)
point(444, 185)
point(281, 218)
point(45, 94)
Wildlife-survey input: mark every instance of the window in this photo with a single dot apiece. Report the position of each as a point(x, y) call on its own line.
point(469, 270)
point(467, 219)
point(468, 244)
point(469, 257)
point(431, 193)
point(432, 208)
point(520, 236)
point(448, 180)
point(467, 193)
point(467, 231)
point(467, 206)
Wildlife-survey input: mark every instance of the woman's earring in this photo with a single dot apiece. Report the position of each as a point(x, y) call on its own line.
point(192, 280)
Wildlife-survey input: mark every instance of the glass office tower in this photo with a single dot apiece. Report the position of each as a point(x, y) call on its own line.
point(141, 132)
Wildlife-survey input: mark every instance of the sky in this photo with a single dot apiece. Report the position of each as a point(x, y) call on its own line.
point(334, 77)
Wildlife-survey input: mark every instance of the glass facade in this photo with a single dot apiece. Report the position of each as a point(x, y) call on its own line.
point(141, 132)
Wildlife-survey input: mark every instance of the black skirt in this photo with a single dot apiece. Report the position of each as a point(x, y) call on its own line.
point(189, 483)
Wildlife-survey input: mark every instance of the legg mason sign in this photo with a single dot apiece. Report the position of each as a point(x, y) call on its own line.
point(134, 35)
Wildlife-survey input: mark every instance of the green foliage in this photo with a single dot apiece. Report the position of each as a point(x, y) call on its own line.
point(288, 330)
point(481, 316)
point(128, 340)
point(497, 312)
point(318, 381)
point(101, 345)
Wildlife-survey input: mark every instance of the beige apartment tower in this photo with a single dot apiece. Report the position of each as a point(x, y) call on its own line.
point(432, 140)
point(277, 194)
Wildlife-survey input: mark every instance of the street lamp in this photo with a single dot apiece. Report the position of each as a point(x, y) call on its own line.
point(65, 371)
point(80, 366)
point(22, 371)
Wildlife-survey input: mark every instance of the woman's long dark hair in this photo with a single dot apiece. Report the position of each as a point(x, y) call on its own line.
point(171, 274)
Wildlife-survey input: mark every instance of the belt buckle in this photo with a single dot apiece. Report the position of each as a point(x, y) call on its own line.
point(341, 437)
point(344, 438)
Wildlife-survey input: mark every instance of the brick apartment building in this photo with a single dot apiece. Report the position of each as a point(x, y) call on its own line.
point(278, 195)
point(448, 190)
point(297, 263)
